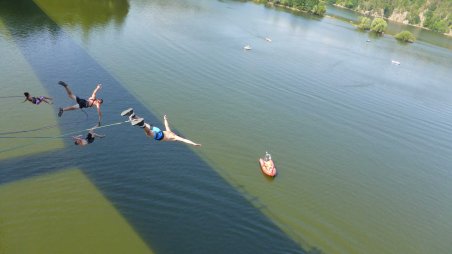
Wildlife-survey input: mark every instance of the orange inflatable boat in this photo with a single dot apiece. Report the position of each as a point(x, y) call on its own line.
point(267, 165)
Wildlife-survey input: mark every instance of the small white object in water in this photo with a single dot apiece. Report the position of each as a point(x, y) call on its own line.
point(395, 62)
point(247, 47)
point(268, 39)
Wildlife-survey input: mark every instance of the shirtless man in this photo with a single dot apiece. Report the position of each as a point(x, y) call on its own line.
point(82, 103)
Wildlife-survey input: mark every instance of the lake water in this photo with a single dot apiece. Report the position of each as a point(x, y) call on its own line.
point(362, 145)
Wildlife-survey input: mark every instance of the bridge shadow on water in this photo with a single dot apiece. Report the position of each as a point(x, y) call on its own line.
point(173, 199)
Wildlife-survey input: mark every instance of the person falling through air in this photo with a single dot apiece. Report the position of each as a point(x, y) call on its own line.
point(81, 141)
point(37, 100)
point(82, 103)
point(155, 132)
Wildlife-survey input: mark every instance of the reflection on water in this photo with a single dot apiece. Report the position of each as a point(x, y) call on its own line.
point(87, 14)
point(23, 18)
point(84, 14)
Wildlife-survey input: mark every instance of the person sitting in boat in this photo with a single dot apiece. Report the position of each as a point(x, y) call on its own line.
point(81, 141)
point(268, 160)
point(37, 100)
point(155, 132)
point(82, 103)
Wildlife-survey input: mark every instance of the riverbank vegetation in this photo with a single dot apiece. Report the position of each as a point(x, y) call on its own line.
point(435, 15)
point(364, 23)
point(316, 7)
point(405, 36)
point(378, 25)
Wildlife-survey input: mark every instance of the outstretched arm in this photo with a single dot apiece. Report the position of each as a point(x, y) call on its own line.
point(187, 141)
point(93, 96)
point(165, 121)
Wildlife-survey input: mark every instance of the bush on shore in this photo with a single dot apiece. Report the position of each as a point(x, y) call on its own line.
point(405, 36)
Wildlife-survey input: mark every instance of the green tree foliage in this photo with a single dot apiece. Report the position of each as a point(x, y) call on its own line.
point(433, 14)
point(436, 23)
point(319, 9)
point(378, 25)
point(313, 6)
point(364, 23)
point(413, 18)
point(351, 4)
point(387, 10)
point(405, 36)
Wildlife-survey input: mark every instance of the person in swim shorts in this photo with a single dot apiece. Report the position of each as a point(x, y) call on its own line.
point(155, 132)
point(82, 103)
point(80, 141)
point(37, 100)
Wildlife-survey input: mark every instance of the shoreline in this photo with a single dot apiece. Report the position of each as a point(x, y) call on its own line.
point(271, 4)
point(413, 25)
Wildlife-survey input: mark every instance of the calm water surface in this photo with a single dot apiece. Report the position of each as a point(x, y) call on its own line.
point(362, 145)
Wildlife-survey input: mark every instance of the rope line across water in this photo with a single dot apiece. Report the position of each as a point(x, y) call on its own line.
point(66, 134)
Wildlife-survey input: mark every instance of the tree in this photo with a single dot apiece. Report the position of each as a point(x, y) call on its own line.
point(364, 23)
point(378, 25)
point(405, 36)
point(319, 9)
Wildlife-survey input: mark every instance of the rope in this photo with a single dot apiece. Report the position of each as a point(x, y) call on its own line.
point(66, 134)
point(23, 131)
point(86, 114)
point(98, 127)
point(45, 127)
point(12, 96)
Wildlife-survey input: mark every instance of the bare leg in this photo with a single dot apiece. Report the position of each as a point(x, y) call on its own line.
point(165, 120)
point(46, 100)
point(147, 130)
point(71, 108)
point(68, 91)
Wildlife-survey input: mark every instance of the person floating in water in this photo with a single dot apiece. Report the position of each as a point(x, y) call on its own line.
point(155, 132)
point(80, 141)
point(37, 100)
point(82, 103)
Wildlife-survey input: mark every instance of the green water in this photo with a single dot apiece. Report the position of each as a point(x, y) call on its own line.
point(362, 146)
point(18, 77)
point(69, 208)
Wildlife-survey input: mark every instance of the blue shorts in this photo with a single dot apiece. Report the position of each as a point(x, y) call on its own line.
point(158, 134)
